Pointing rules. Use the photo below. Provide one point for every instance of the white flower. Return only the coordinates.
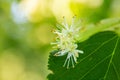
(66, 38)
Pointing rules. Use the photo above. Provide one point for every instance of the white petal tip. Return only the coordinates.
(81, 51)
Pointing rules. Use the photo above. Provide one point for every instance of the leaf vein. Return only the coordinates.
(96, 49)
(111, 59)
(94, 67)
(116, 71)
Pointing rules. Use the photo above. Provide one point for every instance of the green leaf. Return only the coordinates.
(100, 60)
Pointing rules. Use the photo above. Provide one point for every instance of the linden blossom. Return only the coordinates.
(66, 43)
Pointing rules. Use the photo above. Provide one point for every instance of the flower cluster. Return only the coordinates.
(66, 38)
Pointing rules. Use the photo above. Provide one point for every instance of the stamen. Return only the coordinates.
(68, 63)
(73, 21)
(65, 23)
(72, 61)
(74, 58)
(80, 51)
(65, 62)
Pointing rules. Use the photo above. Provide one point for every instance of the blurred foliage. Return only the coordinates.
(25, 31)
